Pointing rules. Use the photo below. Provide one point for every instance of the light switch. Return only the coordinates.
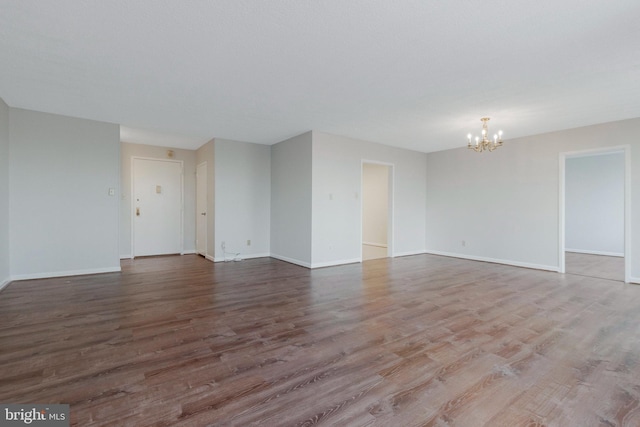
(158, 189)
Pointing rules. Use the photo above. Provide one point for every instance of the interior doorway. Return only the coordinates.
(377, 211)
(157, 207)
(595, 213)
(201, 209)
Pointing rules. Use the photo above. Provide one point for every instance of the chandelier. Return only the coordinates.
(485, 143)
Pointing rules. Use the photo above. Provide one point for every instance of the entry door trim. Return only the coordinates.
(206, 204)
(133, 205)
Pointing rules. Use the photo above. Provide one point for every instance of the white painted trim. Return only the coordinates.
(233, 256)
(562, 177)
(4, 283)
(635, 280)
(258, 255)
(290, 260)
(584, 251)
(127, 256)
(334, 263)
(66, 273)
(241, 257)
(189, 252)
(379, 245)
(626, 149)
(410, 253)
(206, 202)
(496, 261)
(210, 258)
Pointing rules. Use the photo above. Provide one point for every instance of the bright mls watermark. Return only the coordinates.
(34, 415)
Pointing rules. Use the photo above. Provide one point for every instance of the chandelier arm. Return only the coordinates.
(485, 143)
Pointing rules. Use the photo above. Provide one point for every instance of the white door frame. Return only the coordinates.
(206, 203)
(390, 202)
(626, 150)
(133, 205)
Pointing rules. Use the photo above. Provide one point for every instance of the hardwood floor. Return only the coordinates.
(413, 341)
(604, 267)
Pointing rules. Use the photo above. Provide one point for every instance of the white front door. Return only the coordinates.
(201, 209)
(157, 207)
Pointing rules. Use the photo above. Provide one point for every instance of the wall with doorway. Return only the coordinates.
(63, 219)
(337, 181)
(504, 205)
(243, 198)
(594, 204)
(375, 204)
(188, 157)
(206, 153)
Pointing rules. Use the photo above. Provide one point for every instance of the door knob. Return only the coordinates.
(137, 211)
(203, 213)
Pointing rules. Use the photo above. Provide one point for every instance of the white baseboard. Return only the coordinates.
(291, 260)
(189, 252)
(334, 263)
(635, 280)
(497, 261)
(258, 255)
(398, 254)
(210, 258)
(65, 273)
(584, 251)
(379, 245)
(4, 283)
(128, 256)
(240, 256)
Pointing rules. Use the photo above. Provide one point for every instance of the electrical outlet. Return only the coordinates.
(248, 242)
(223, 245)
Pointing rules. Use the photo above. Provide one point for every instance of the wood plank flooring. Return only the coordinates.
(412, 341)
(604, 267)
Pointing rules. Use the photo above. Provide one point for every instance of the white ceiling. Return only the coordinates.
(416, 74)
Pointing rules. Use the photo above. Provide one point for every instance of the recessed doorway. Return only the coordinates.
(377, 197)
(595, 192)
(157, 207)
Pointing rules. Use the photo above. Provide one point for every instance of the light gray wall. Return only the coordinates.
(5, 271)
(337, 183)
(291, 199)
(243, 198)
(594, 207)
(375, 205)
(505, 204)
(188, 157)
(206, 153)
(63, 220)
